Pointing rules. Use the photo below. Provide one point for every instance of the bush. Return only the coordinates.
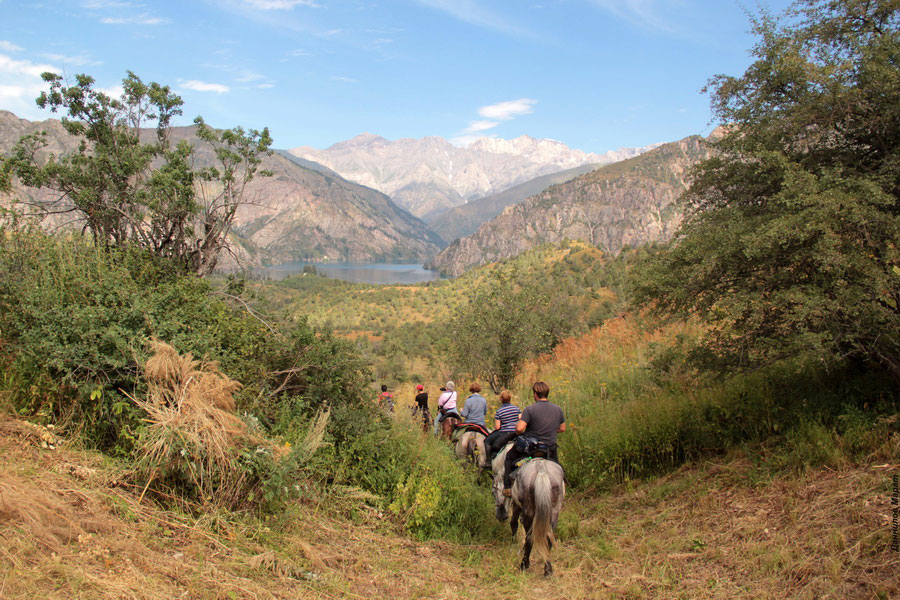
(420, 482)
(75, 320)
(638, 410)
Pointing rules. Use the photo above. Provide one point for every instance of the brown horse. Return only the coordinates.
(537, 496)
(448, 425)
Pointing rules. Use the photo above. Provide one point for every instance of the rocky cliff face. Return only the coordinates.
(464, 220)
(430, 175)
(304, 211)
(627, 203)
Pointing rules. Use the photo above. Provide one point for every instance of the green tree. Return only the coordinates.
(130, 191)
(791, 237)
(507, 320)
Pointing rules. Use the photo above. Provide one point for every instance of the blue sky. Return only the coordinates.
(594, 74)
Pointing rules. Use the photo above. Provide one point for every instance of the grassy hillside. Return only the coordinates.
(407, 323)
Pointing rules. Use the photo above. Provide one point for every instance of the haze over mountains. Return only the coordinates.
(627, 203)
(428, 176)
(308, 211)
(304, 211)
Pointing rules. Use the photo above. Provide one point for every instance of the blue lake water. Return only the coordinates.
(386, 273)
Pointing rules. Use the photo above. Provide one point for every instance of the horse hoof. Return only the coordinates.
(523, 566)
(548, 570)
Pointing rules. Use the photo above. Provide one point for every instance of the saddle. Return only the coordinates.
(473, 427)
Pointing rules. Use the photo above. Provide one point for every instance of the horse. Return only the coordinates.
(537, 496)
(426, 417)
(470, 446)
(503, 504)
(449, 424)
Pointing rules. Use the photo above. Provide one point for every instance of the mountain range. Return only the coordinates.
(630, 202)
(303, 211)
(429, 176)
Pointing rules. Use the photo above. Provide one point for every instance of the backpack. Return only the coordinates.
(527, 444)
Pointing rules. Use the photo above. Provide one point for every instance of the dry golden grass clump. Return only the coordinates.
(194, 442)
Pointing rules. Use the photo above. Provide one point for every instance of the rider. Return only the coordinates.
(421, 397)
(475, 408)
(387, 399)
(446, 405)
(542, 420)
(504, 425)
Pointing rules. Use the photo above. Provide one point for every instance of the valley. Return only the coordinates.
(210, 348)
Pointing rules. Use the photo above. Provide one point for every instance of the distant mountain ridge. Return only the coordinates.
(430, 175)
(304, 211)
(631, 202)
(466, 219)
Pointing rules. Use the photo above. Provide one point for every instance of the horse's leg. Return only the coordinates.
(514, 523)
(526, 550)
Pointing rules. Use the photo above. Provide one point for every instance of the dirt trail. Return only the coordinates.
(69, 528)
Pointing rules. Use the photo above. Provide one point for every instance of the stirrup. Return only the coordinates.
(507, 492)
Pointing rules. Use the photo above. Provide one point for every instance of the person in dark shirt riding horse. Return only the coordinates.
(542, 421)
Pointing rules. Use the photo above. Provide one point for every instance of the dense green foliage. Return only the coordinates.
(127, 191)
(407, 332)
(792, 239)
(74, 320)
(505, 322)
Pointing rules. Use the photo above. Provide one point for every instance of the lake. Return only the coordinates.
(386, 273)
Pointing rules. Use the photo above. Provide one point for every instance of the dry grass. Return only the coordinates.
(710, 531)
(193, 433)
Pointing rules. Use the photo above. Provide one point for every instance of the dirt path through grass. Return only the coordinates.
(723, 529)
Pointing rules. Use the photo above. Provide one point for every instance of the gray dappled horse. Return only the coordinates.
(537, 495)
(470, 446)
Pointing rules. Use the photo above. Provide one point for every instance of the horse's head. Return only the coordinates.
(501, 501)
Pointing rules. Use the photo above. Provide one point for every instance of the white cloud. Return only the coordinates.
(265, 86)
(9, 46)
(79, 61)
(299, 52)
(504, 111)
(246, 76)
(470, 12)
(643, 13)
(476, 126)
(142, 19)
(202, 86)
(105, 4)
(113, 91)
(343, 79)
(20, 84)
(279, 4)
(23, 67)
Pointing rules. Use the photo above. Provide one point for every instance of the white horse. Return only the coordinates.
(537, 494)
(470, 446)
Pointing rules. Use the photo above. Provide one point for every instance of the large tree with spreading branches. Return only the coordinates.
(128, 189)
(791, 240)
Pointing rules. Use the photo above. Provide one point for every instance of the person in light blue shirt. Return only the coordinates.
(475, 408)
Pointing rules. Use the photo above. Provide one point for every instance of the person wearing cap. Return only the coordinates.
(446, 405)
(421, 397)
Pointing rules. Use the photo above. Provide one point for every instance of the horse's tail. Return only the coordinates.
(483, 461)
(541, 528)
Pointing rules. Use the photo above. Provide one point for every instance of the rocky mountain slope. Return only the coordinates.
(465, 219)
(304, 211)
(630, 202)
(430, 175)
